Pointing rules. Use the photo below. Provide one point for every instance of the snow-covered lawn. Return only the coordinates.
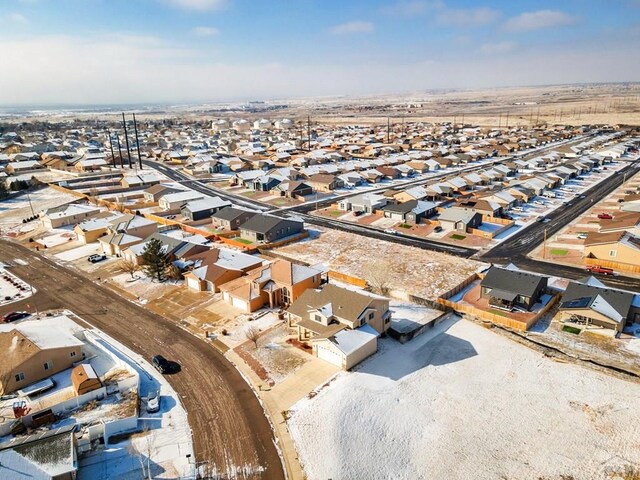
(82, 251)
(423, 273)
(144, 287)
(236, 329)
(461, 402)
(12, 288)
(14, 209)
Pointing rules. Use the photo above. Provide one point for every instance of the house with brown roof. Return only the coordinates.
(277, 284)
(32, 351)
(622, 248)
(322, 182)
(216, 267)
(622, 222)
(341, 324)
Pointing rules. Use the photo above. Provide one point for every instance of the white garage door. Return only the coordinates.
(193, 283)
(241, 304)
(329, 355)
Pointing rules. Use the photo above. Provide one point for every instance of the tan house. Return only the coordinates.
(277, 284)
(216, 267)
(341, 324)
(32, 353)
(68, 215)
(623, 248)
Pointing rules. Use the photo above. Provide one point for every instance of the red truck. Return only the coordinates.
(599, 269)
(605, 216)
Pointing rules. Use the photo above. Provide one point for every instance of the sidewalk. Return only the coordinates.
(283, 396)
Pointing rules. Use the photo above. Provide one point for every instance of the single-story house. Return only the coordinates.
(216, 267)
(201, 209)
(410, 212)
(507, 288)
(459, 219)
(230, 218)
(267, 228)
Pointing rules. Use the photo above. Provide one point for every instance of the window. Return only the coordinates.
(72, 354)
(19, 377)
(286, 296)
(48, 365)
(612, 253)
(371, 316)
(387, 320)
(318, 318)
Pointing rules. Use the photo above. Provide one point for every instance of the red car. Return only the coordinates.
(599, 269)
(605, 216)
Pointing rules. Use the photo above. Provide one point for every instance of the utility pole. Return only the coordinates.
(507, 119)
(500, 121)
(388, 129)
(531, 117)
(135, 127)
(113, 157)
(544, 245)
(309, 133)
(126, 139)
(538, 117)
(119, 150)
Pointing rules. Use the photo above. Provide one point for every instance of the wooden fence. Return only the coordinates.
(625, 267)
(344, 278)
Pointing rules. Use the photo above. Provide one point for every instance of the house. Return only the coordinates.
(267, 228)
(482, 206)
(293, 189)
(365, 202)
(507, 288)
(15, 168)
(172, 202)
(622, 222)
(216, 267)
(176, 244)
(459, 219)
(413, 193)
(324, 182)
(68, 215)
(84, 379)
(620, 247)
(155, 192)
(34, 350)
(88, 231)
(146, 179)
(277, 284)
(589, 303)
(230, 218)
(48, 455)
(411, 212)
(202, 209)
(114, 243)
(90, 164)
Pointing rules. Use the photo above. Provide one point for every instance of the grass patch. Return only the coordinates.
(457, 236)
(243, 240)
(404, 225)
(558, 251)
(498, 312)
(570, 329)
(335, 213)
(279, 201)
(250, 193)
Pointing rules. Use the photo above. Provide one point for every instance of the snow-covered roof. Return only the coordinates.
(350, 341)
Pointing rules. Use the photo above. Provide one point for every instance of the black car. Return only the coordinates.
(13, 316)
(160, 363)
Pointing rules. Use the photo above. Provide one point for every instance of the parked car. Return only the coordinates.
(605, 216)
(13, 316)
(96, 257)
(160, 363)
(517, 209)
(599, 269)
(153, 402)
(539, 202)
(357, 213)
(438, 228)
(582, 236)
(390, 230)
(541, 218)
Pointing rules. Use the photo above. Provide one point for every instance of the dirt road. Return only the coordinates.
(230, 431)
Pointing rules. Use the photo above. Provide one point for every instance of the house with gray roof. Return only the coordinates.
(410, 212)
(267, 228)
(508, 288)
(231, 217)
(589, 304)
(203, 208)
(459, 219)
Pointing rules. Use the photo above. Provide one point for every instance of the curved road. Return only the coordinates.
(230, 431)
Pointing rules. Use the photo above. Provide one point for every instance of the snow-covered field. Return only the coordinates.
(461, 402)
(13, 210)
(78, 252)
(419, 272)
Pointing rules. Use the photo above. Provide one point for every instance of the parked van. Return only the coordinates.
(549, 194)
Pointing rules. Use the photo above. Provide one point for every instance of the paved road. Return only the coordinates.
(515, 249)
(229, 427)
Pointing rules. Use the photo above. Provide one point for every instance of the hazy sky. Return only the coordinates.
(138, 51)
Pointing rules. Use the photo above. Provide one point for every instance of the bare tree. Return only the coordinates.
(143, 448)
(377, 276)
(253, 334)
(129, 267)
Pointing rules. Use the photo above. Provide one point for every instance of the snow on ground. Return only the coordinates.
(13, 288)
(82, 251)
(461, 402)
(58, 236)
(405, 315)
(14, 209)
(354, 255)
(168, 439)
(236, 331)
(142, 286)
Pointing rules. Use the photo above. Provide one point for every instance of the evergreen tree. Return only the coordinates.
(155, 260)
(4, 191)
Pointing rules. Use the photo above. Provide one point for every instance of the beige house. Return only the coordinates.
(341, 324)
(622, 248)
(68, 215)
(31, 353)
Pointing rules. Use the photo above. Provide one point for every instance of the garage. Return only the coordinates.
(328, 353)
(239, 303)
(193, 283)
